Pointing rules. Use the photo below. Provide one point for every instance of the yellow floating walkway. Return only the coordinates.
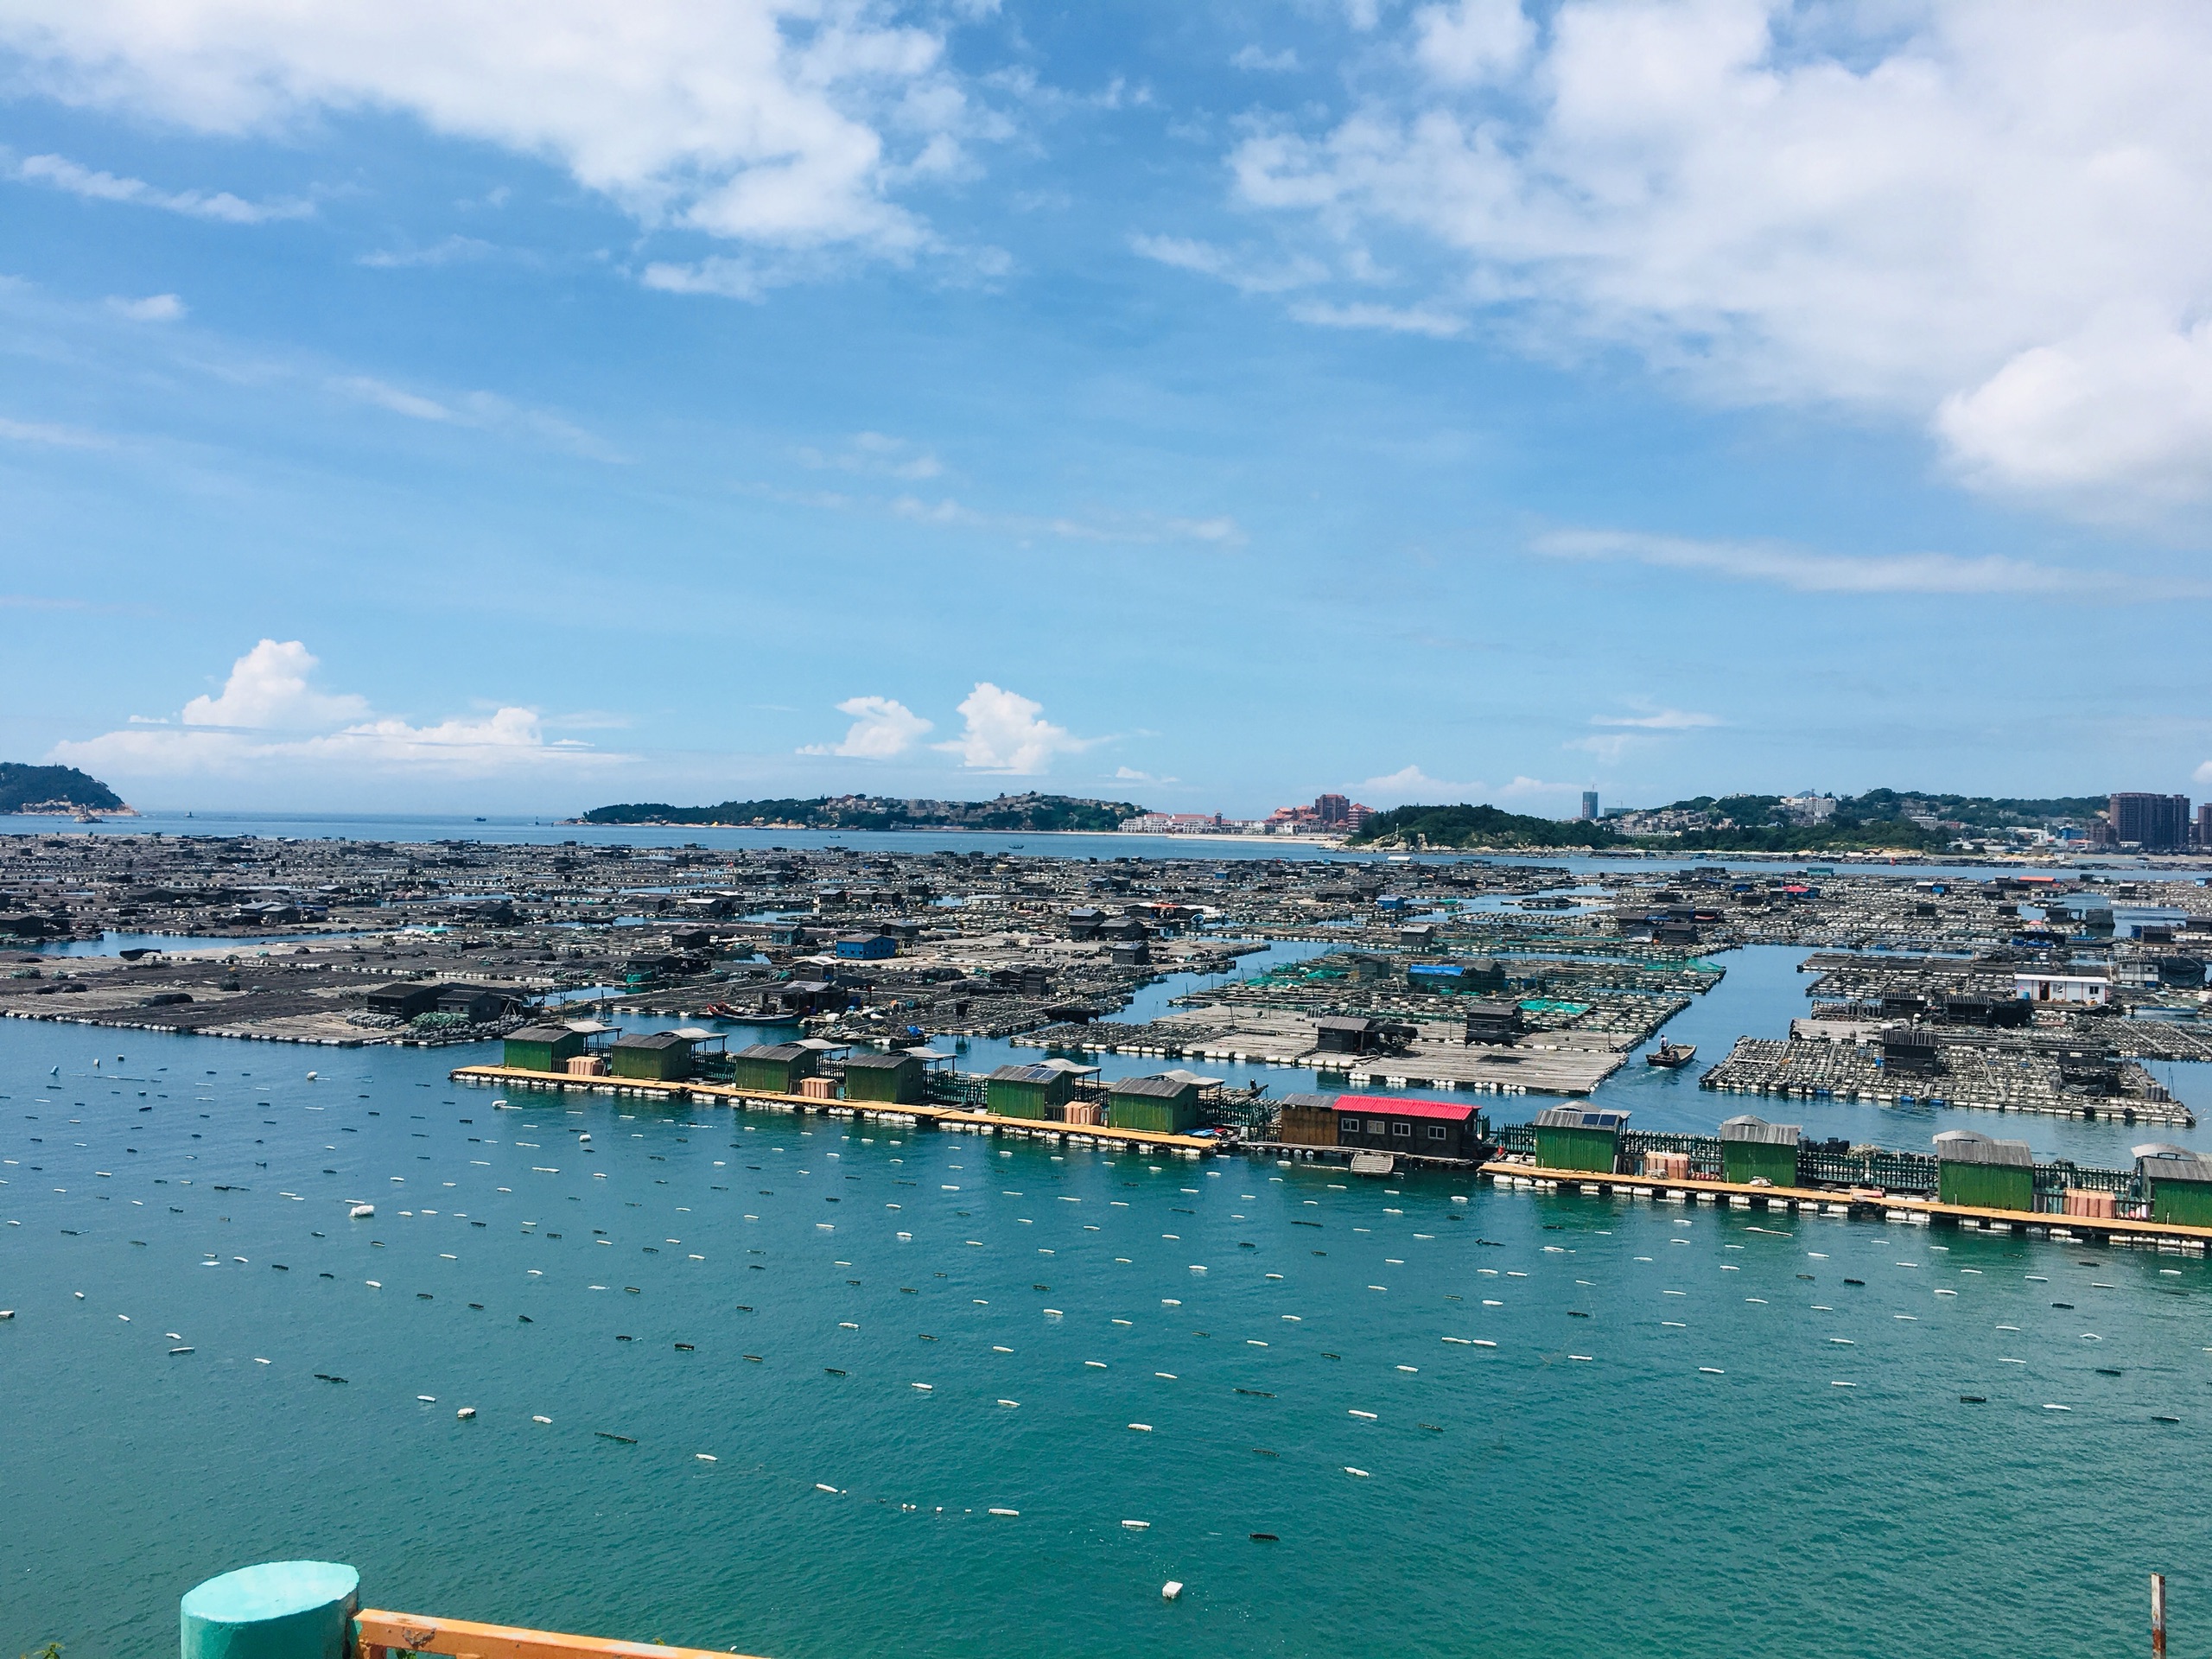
(945, 1117)
(1862, 1203)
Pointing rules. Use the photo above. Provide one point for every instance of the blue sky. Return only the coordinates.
(463, 406)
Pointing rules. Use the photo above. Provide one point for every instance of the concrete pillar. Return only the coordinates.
(279, 1609)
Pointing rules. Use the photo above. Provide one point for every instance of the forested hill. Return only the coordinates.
(1030, 812)
(23, 786)
(1476, 826)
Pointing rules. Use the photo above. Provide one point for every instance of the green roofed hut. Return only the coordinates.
(772, 1068)
(896, 1079)
(2180, 1183)
(1972, 1169)
(543, 1048)
(1039, 1091)
(650, 1056)
(1755, 1152)
(1164, 1105)
(1578, 1137)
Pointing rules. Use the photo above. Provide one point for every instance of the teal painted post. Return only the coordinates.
(279, 1609)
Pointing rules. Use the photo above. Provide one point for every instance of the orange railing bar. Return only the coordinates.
(380, 1634)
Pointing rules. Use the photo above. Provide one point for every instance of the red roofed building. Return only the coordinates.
(1426, 1129)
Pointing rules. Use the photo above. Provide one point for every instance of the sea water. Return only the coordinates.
(1693, 1433)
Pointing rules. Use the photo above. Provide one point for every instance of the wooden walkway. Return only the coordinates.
(381, 1634)
(1805, 1199)
(690, 1092)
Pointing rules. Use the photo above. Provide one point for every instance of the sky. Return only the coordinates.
(465, 406)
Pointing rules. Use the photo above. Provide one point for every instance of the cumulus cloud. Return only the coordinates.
(60, 173)
(784, 122)
(882, 729)
(1992, 217)
(268, 688)
(1007, 732)
(270, 719)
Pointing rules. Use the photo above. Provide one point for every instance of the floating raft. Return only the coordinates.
(939, 1117)
(1816, 1201)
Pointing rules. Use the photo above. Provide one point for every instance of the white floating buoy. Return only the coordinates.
(536, 1419)
(362, 1211)
(466, 1413)
(428, 1399)
(311, 1075)
(1141, 1428)
(706, 1457)
(1014, 1512)
(1172, 1589)
(6, 1312)
(1361, 1473)
(1137, 1526)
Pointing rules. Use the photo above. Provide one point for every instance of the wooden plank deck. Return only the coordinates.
(2079, 1226)
(934, 1116)
(381, 1634)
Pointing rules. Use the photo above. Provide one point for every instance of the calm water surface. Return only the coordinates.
(1678, 1472)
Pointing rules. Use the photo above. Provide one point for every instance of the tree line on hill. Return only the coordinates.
(1034, 813)
(23, 787)
(1879, 819)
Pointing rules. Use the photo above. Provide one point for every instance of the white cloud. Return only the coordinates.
(1525, 788)
(452, 251)
(784, 122)
(1007, 732)
(1143, 530)
(1471, 42)
(1247, 273)
(381, 394)
(63, 174)
(1259, 59)
(2127, 403)
(1411, 783)
(1658, 720)
(270, 720)
(51, 433)
(1829, 573)
(882, 729)
(873, 454)
(1131, 775)
(1393, 319)
(482, 411)
(155, 308)
(718, 276)
(2204, 773)
(1993, 217)
(268, 688)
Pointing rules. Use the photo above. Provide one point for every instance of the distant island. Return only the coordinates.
(53, 789)
(1880, 820)
(1035, 814)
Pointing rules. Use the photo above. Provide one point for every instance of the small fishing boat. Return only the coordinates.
(1671, 1056)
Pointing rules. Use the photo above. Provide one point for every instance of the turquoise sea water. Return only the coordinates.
(1515, 1500)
